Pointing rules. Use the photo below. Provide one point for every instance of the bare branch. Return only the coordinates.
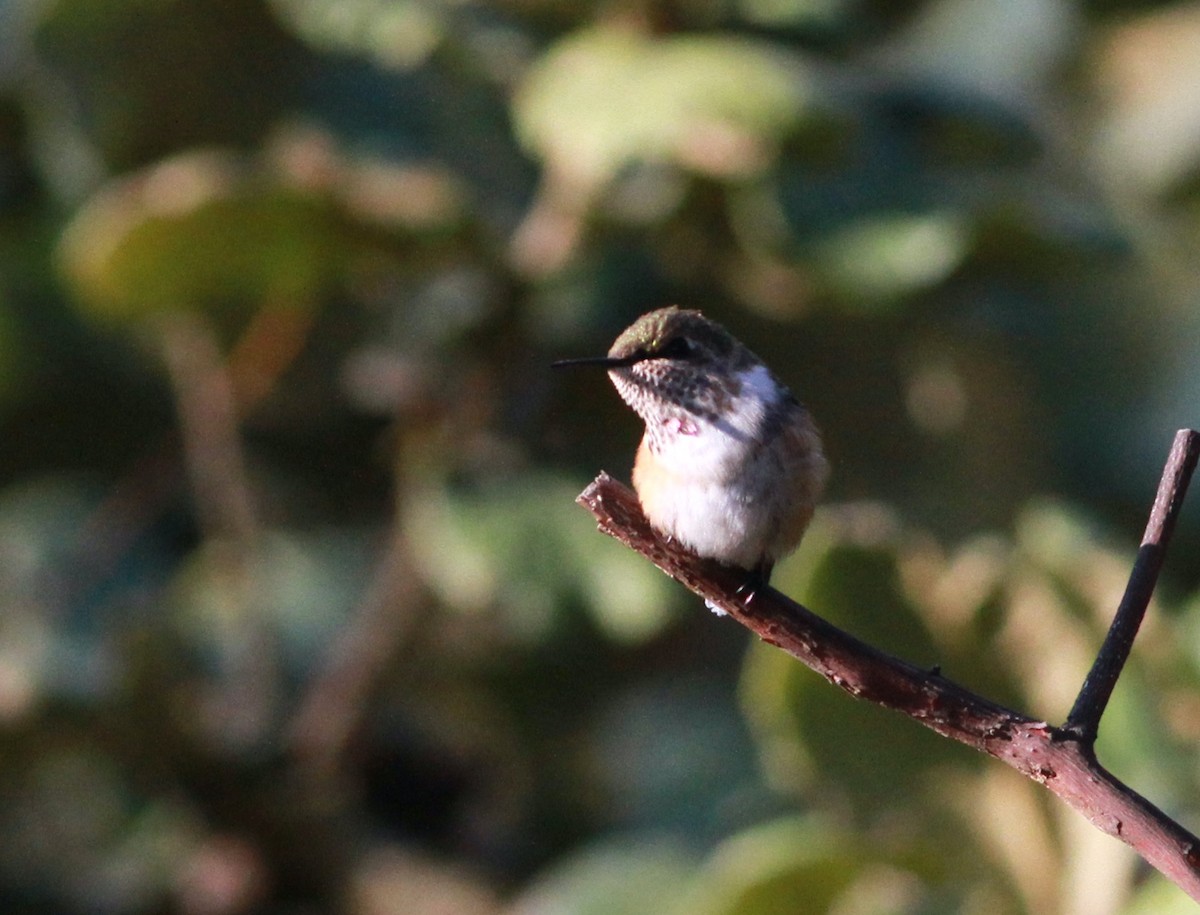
(1051, 756)
(1084, 720)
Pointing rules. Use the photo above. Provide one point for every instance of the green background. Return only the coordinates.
(297, 614)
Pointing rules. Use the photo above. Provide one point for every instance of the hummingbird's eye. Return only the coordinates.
(676, 348)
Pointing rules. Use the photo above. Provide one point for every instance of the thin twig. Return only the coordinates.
(244, 700)
(266, 349)
(1048, 755)
(336, 702)
(209, 427)
(1084, 720)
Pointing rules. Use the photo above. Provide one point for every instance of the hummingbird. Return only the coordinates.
(731, 464)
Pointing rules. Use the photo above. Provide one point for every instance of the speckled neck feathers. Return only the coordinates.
(705, 384)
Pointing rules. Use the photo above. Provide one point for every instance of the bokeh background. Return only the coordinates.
(297, 614)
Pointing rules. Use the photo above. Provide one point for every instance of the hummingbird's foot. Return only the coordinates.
(757, 579)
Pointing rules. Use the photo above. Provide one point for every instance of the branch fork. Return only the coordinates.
(1061, 758)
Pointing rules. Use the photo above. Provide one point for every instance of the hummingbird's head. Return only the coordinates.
(674, 335)
(673, 359)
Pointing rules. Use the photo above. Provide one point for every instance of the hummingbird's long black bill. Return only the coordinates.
(607, 362)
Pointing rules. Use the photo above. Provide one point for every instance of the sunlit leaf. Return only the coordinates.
(788, 867)
(1157, 896)
(890, 255)
(199, 232)
(602, 99)
(1150, 81)
(630, 877)
(524, 549)
(396, 33)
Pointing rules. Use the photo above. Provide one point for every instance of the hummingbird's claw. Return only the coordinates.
(756, 579)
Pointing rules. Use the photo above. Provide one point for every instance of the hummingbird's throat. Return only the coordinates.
(679, 425)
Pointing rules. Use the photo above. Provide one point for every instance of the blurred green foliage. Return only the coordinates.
(298, 613)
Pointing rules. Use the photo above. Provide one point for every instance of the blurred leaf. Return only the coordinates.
(1158, 896)
(396, 33)
(885, 256)
(305, 584)
(603, 99)
(1147, 72)
(811, 734)
(395, 881)
(857, 585)
(525, 548)
(620, 877)
(216, 232)
(815, 740)
(53, 646)
(674, 755)
(954, 42)
(136, 80)
(794, 13)
(198, 232)
(788, 867)
(1135, 742)
(71, 831)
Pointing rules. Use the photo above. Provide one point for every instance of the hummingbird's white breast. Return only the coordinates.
(729, 486)
(717, 447)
